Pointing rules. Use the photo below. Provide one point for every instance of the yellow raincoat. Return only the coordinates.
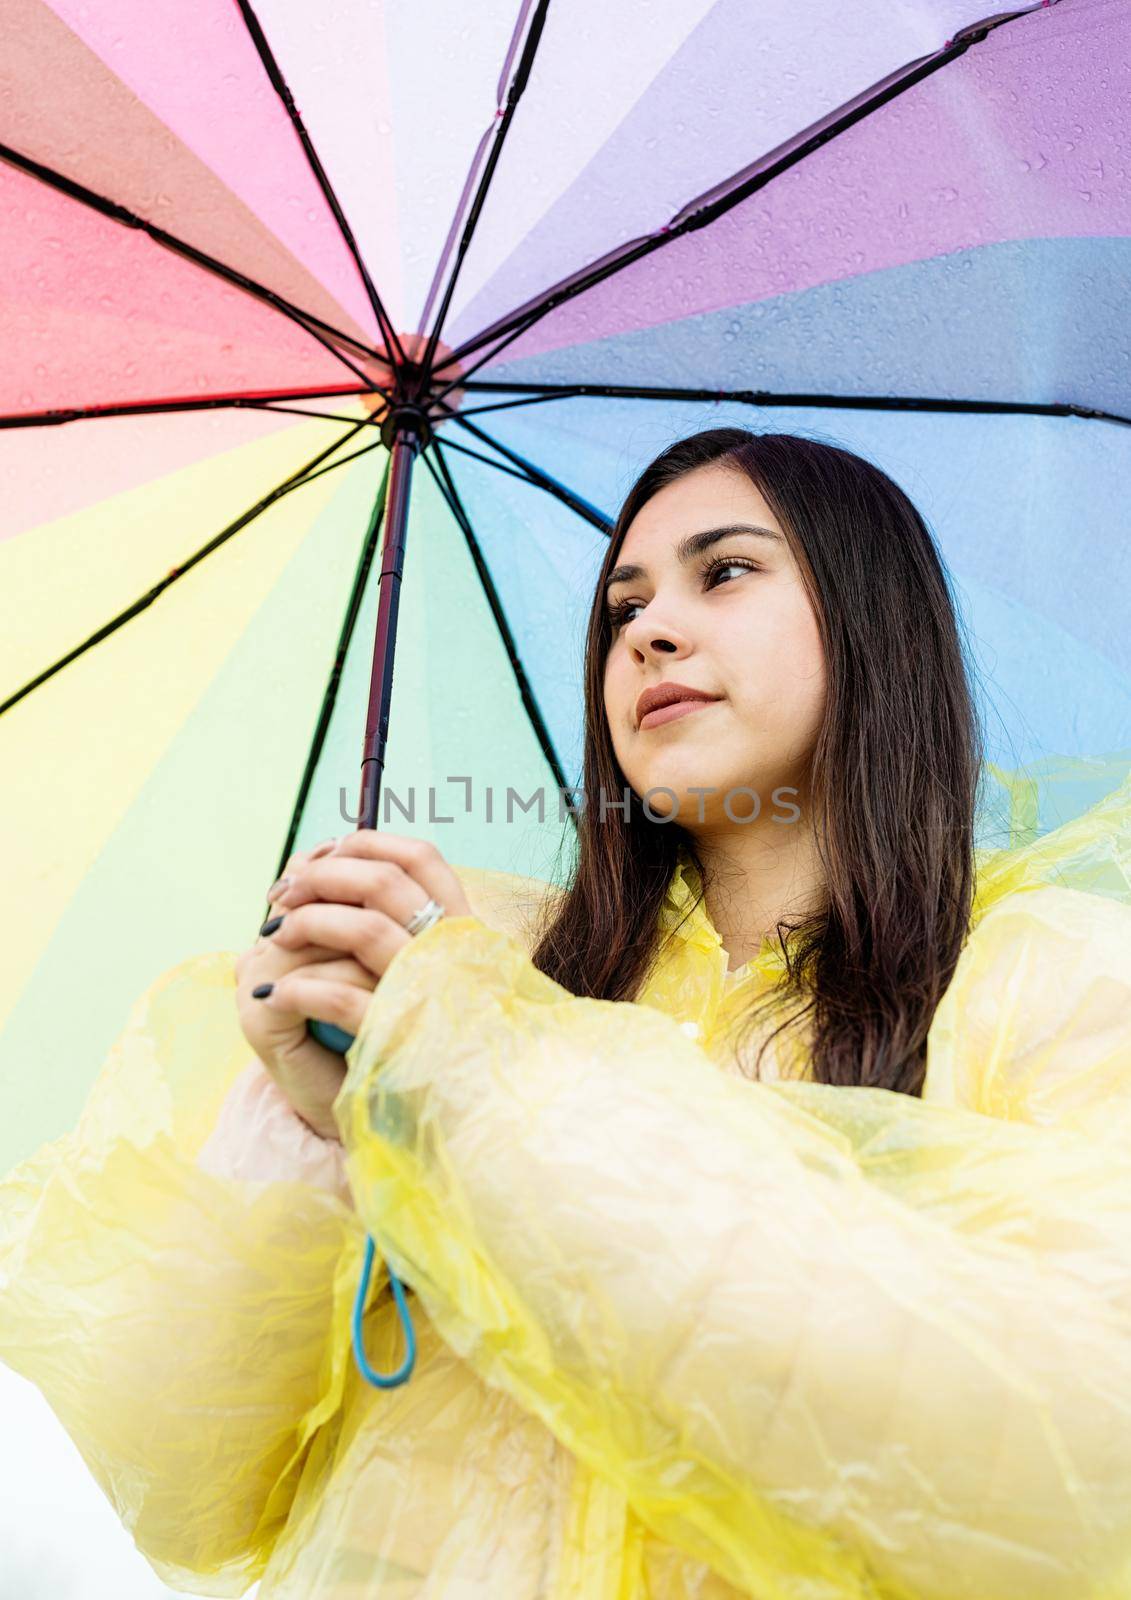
(681, 1335)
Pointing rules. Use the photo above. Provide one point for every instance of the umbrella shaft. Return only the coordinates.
(403, 450)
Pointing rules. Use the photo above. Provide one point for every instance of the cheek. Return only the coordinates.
(808, 659)
(615, 702)
(783, 662)
(610, 695)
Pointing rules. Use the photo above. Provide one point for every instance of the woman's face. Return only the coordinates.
(732, 620)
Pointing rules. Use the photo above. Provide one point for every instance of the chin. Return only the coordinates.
(686, 805)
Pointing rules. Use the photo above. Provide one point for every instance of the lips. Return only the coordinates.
(668, 694)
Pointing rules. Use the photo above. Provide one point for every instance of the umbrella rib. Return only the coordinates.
(714, 203)
(297, 480)
(281, 88)
(529, 698)
(565, 393)
(333, 682)
(300, 411)
(344, 462)
(496, 136)
(135, 408)
(535, 393)
(540, 479)
(315, 326)
(523, 477)
(488, 461)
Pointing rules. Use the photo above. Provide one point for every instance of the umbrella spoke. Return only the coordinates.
(135, 408)
(279, 84)
(723, 197)
(535, 393)
(496, 136)
(446, 485)
(513, 472)
(301, 411)
(540, 479)
(298, 480)
(329, 337)
(489, 461)
(566, 392)
(334, 465)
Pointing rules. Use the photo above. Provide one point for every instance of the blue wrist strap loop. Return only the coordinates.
(337, 1039)
(404, 1370)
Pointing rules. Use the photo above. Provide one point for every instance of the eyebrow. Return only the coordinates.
(694, 545)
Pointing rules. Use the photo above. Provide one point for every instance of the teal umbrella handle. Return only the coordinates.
(338, 1040)
(334, 1038)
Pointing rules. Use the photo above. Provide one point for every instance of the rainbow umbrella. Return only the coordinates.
(329, 330)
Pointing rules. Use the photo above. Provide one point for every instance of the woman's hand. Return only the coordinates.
(344, 910)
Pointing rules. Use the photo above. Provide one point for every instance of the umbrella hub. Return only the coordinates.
(411, 387)
(406, 417)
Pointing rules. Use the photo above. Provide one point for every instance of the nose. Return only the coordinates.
(651, 637)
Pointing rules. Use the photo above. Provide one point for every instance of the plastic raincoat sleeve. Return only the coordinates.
(832, 1341)
(185, 1325)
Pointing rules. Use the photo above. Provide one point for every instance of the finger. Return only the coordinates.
(319, 999)
(370, 937)
(342, 969)
(266, 959)
(354, 880)
(294, 863)
(265, 944)
(416, 857)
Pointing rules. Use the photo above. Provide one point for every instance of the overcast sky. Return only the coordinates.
(59, 1536)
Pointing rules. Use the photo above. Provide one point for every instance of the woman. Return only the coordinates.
(765, 1193)
(837, 689)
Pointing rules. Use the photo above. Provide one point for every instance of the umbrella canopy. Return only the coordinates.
(907, 231)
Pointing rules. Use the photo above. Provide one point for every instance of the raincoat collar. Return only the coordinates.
(684, 913)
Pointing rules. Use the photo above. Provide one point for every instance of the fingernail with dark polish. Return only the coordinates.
(270, 925)
(261, 991)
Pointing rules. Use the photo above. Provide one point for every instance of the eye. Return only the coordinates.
(618, 614)
(720, 562)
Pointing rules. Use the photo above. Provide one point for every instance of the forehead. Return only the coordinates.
(707, 497)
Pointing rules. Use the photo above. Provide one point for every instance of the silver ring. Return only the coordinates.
(425, 917)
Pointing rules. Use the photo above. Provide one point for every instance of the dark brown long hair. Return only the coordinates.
(893, 788)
